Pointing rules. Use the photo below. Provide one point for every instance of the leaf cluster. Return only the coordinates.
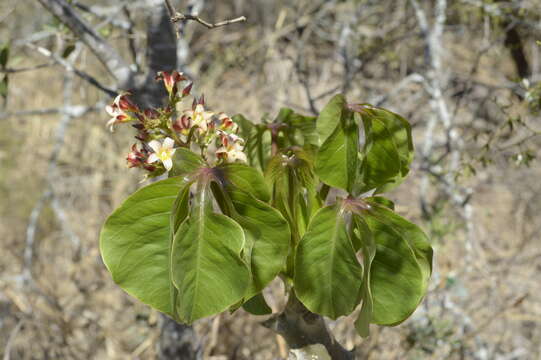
(305, 207)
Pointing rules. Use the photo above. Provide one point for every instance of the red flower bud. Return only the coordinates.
(151, 114)
(186, 91)
(125, 104)
(170, 80)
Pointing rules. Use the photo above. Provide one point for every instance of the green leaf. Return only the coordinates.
(368, 247)
(337, 159)
(267, 238)
(208, 269)
(330, 116)
(247, 131)
(306, 127)
(283, 115)
(179, 212)
(257, 305)
(328, 275)
(185, 162)
(134, 243)
(401, 268)
(388, 150)
(247, 178)
(380, 200)
(68, 50)
(381, 163)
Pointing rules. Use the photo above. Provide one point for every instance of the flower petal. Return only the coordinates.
(153, 158)
(168, 163)
(168, 143)
(155, 145)
(110, 110)
(110, 124)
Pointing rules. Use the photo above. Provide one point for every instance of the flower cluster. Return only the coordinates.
(162, 130)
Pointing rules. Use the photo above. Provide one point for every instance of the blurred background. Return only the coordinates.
(466, 73)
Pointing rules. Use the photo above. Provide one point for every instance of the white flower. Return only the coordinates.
(227, 124)
(117, 115)
(232, 149)
(200, 117)
(118, 109)
(163, 152)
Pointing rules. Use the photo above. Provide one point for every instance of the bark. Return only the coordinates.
(161, 53)
(178, 341)
(302, 329)
(513, 42)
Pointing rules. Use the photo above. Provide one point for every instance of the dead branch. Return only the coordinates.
(107, 55)
(24, 69)
(11, 339)
(178, 16)
(69, 67)
(74, 110)
(49, 192)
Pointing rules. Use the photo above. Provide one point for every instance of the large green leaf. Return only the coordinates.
(247, 178)
(185, 162)
(337, 159)
(328, 275)
(301, 130)
(306, 126)
(415, 237)
(388, 149)
(330, 116)
(401, 268)
(134, 243)
(267, 238)
(381, 162)
(208, 269)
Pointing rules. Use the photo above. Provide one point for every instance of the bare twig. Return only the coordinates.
(131, 38)
(412, 78)
(30, 68)
(74, 110)
(83, 75)
(49, 194)
(28, 255)
(108, 55)
(178, 16)
(182, 17)
(11, 339)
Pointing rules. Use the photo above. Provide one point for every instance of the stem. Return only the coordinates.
(299, 327)
(274, 142)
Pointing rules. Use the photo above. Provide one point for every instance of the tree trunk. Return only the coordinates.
(306, 333)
